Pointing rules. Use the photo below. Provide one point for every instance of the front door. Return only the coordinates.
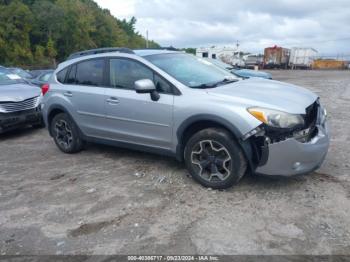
(133, 117)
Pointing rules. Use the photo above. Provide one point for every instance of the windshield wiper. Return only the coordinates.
(226, 81)
(215, 84)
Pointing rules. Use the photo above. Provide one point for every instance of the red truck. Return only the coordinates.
(276, 57)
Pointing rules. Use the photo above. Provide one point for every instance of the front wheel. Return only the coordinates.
(214, 159)
(66, 134)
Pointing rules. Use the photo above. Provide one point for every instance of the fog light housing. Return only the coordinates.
(296, 165)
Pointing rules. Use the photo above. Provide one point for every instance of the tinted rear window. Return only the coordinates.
(61, 76)
(71, 75)
(90, 73)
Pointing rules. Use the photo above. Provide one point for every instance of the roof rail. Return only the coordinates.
(170, 48)
(100, 51)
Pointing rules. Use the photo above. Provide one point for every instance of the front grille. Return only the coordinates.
(311, 115)
(10, 107)
(302, 133)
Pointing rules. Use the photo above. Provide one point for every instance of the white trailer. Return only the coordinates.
(301, 57)
(229, 55)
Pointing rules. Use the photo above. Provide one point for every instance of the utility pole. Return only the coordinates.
(147, 39)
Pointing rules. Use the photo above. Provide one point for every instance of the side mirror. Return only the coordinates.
(144, 86)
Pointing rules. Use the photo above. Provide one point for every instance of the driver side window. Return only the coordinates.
(124, 73)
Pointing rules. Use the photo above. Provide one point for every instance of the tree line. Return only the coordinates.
(40, 33)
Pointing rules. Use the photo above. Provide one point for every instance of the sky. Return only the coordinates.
(255, 24)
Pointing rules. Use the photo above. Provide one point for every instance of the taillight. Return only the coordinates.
(45, 88)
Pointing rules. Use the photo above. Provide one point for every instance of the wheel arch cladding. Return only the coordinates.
(55, 110)
(199, 122)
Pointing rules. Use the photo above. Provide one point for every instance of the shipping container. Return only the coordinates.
(302, 57)
(276, 57)
(328, 64)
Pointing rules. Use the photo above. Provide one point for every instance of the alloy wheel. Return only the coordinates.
(64, 136)
(211, 160)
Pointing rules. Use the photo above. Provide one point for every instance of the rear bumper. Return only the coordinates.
(10, 121)
(291, 157)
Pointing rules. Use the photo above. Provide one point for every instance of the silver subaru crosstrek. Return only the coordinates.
(177, 104)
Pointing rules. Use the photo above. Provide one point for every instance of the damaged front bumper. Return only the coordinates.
(295, 156)
(10, 121)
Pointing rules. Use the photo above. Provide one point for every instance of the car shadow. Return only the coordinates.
(148, 159)
(132, 154)
(18, 133)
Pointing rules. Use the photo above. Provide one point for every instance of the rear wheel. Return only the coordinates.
(66, 134)
(214, 159)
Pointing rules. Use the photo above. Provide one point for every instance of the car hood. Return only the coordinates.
(251, 73)
(18, 92)
(266, 93)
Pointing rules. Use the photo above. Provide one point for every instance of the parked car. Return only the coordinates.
(19, 102)
(37, 72)
(244, 73)
(248, 73)
(180, 105)
(4, 70)
(22, 73)
(42, 78)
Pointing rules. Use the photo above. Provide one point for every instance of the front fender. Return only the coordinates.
(207, 117)
(245, 145)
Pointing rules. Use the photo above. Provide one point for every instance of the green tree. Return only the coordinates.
(189, 50)
(51, 51)
(15, 26)
(39, 33)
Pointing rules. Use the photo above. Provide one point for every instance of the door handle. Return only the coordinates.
(112, 100)
(68, 94)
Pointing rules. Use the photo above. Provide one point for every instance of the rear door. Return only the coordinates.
(133, 117)
(85, 87)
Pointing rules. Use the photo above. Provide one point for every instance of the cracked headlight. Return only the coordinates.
(275, 118)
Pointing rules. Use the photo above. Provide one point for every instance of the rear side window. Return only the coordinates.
(61, 76)
(71, 75)
(90, 73)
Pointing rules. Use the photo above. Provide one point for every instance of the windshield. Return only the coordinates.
(191, 71)
(21, 73)
(7, 78)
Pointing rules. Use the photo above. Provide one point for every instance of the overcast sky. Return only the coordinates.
(254, 23)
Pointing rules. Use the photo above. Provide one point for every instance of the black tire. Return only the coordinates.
(225, 154)
(70, 144)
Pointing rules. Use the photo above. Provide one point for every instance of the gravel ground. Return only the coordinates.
(107, 200)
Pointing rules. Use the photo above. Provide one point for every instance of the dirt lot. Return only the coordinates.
(107, 200)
